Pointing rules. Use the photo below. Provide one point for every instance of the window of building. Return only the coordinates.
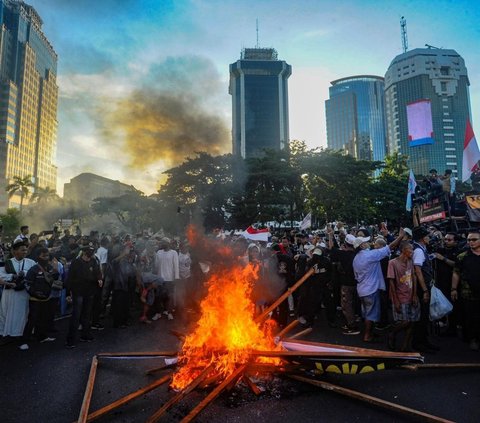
(445, 70)
(443, 86)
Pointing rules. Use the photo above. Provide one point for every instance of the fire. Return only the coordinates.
(226, 331)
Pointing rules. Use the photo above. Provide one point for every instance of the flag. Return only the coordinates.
(471, 154)
(412, 184)
(306, 222)
(256, 234)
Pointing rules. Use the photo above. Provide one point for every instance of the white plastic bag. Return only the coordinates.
(439, 304)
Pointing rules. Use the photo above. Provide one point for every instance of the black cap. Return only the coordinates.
(88, 246)
(419, 233)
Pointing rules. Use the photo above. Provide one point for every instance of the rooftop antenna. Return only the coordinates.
(403, 26)
(257, 46)
(429, 46)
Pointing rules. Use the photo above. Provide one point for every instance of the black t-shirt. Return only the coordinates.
(468, 266)
(83, 276)
(345, 268)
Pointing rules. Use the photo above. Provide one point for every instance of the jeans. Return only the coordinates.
(81, 313)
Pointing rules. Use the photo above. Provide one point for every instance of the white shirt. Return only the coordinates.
(18, 265)
(102, 255)
(419, 256)
(166, 265)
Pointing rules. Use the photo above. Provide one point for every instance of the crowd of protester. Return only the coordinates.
(366, 280)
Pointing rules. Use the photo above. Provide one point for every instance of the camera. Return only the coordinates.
(19, 281)
(435, 243)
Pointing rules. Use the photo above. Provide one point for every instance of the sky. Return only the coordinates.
(143, 84)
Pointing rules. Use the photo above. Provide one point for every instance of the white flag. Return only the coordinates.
(306, 222)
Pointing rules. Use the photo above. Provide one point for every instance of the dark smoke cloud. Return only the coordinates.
(173, 114)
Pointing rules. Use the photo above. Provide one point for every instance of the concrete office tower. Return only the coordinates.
(28, 100)
(355, 115)
(84, 188)
(438, 76)
(259, 89)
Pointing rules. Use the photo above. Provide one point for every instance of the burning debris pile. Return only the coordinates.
(231, 342)
(227, 331)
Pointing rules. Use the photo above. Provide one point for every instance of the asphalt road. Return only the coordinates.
(46, 384)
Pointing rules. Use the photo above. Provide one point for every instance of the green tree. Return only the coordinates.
(200, 188)
(338, 186)
(272, 189)
(11, 222)
(390, 190)
(20, 186)
(133, 210)
(44, 195)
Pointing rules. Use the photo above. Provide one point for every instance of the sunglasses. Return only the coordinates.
(472, 239)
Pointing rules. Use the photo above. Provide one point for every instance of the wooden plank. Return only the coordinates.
(350, 348)
(301, 333)
(82, 417)
(214, 394)
(284, 296)
(254, 388)
(442, 366)
(371, 400)
(287, 328)
(133, 355)
(127, 398)
(177, 398)
(329, 354)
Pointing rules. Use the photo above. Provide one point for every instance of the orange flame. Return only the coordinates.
(226, 331)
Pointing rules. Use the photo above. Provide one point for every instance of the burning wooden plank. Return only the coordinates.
(177, 398)
(214, 394)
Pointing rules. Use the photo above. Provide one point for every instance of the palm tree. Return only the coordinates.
(20, 185)
(44, 195)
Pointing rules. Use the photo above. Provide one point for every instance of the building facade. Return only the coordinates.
(84, 188)
(259, 89)
(439, 77)
(355, 116)
(28, 100)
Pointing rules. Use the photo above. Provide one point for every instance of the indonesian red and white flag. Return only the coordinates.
(471, 153)
(256, 234)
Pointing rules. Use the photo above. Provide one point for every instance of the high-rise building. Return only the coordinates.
(84, 188)
(259, 89)
(355, 114)
(28, 100)
(438, 79)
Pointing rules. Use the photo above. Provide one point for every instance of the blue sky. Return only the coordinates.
(144, 83)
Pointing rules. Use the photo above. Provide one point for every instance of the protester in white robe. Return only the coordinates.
(14, 304)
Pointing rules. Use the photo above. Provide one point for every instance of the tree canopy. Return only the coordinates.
(225, 191)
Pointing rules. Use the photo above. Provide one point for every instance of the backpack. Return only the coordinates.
(40, 287)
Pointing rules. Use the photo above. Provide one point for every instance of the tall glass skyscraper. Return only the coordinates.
(355, 115)
(259, 89)
(438, 77)
(28, 100)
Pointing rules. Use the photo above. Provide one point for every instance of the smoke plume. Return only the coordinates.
(174, 113)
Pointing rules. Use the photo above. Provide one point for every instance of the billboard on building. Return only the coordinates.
(420, 127)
